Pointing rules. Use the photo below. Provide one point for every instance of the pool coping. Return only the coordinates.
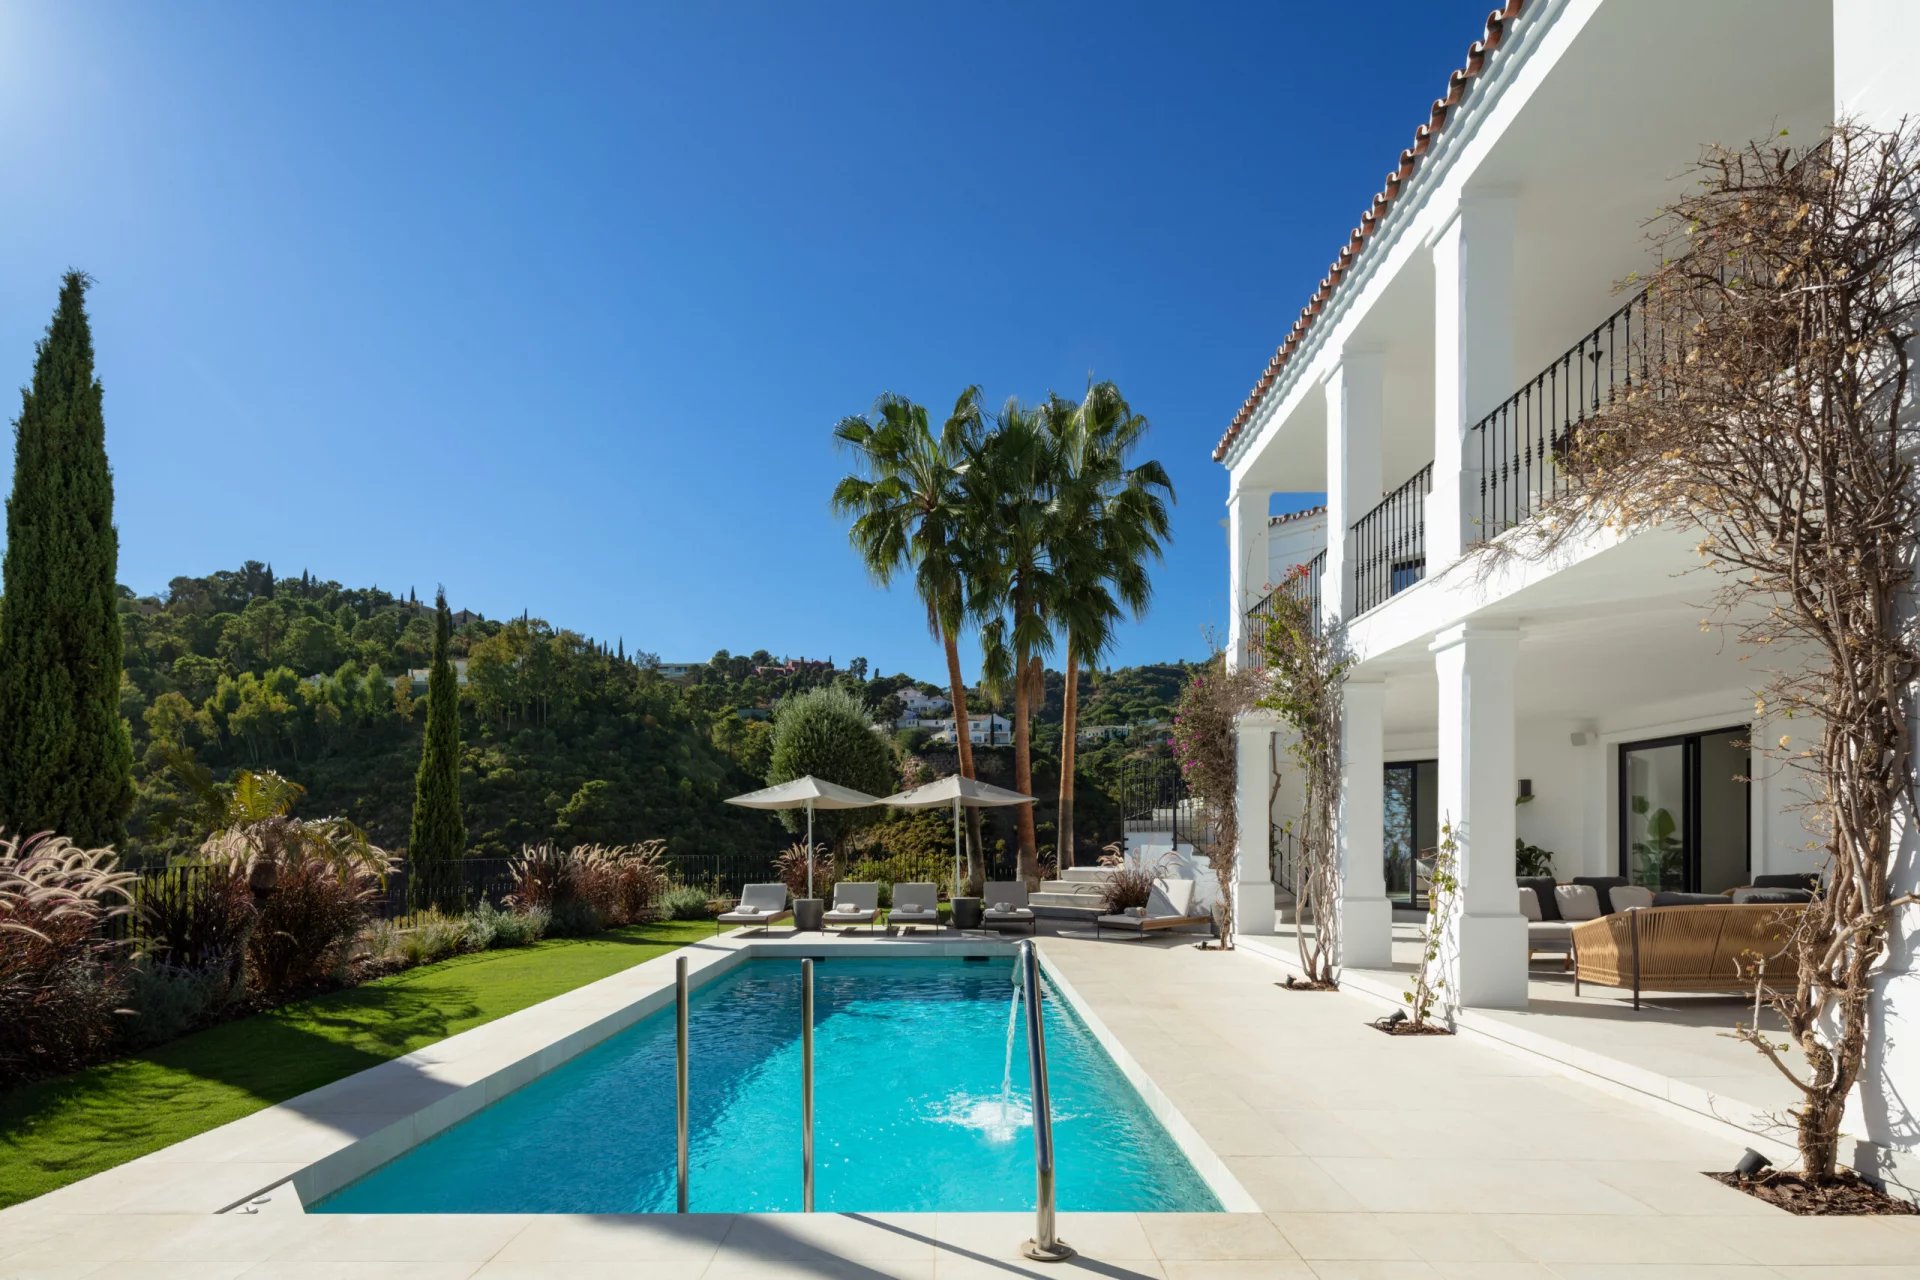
(283, 1157)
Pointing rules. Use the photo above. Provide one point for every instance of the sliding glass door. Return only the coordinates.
(1683, 811)
(1412, 829)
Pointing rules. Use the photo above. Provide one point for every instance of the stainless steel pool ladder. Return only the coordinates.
(1045, 1245)
(680, 1077)
(806, 1086)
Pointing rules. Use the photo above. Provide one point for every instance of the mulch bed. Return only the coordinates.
(1301, 984)
(1409, 1028)
(1849, 1194)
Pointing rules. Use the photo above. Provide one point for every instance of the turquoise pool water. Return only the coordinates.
(918, 1107)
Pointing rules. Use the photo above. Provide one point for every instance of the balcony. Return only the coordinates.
(1521, 446)
(1303, 584)
(1389, 545)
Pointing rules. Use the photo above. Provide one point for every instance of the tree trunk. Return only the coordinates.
(1069, 752)
(1028, 866)
(963, 747)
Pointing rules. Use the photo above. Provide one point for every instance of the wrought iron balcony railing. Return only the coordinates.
(1522, 445)
(1390, 543)
(1302, 585)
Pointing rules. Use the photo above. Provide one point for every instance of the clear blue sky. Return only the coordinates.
(557, 304)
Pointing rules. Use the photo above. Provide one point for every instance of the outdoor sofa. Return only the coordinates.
(1551, 918)
(1006, 904)
(1169, 906)
(760, 904)
(916, 902)
(856, 902)
(1706, 947)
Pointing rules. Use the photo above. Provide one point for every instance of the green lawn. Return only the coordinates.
(58, 1131)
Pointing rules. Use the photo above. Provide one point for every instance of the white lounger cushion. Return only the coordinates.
(854, 901)
(917, 899)
(759, 900)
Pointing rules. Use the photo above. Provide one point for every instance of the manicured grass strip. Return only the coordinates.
(58, 1131)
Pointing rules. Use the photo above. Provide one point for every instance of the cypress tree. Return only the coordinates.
(66, 762)
(439, 838)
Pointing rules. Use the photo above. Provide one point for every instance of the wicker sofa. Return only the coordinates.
(1687, 948)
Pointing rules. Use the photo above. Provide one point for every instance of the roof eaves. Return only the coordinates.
(1498, 23)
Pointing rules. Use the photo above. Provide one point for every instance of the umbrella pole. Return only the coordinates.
(956, 847)
(809, 846)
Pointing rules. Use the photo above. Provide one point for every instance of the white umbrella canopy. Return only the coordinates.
(959, 792)
(807, 793)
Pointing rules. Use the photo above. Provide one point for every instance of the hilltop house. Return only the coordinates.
(1469, 322)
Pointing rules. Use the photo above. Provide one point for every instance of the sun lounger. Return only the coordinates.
(1169, 906)
(915, 903)
(760, 904)
(1006, 904)
(854, 904)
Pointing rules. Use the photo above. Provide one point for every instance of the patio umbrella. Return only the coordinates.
(958, 792)
(807, 793)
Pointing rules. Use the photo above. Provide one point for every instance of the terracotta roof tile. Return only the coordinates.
(1498, 23)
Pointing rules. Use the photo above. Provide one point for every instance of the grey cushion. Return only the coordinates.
(1602, 885)
(1577, 902)
(1546, 931)
(1772, 895)
(1530, 904)
(1807, 880)
(1674, 898)
(1628, 896)
(1542, 887)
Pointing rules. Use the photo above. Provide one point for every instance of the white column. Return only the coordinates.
(1252, 888)
(1366, 917)
(1247, 533)
(1873, 81)
(1485, 950)
(1473, 326)
(1356, 407)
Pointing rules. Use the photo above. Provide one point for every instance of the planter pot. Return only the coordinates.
(808, 914)
(966, 913)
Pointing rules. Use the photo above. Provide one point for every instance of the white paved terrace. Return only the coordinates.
(1365, 1156)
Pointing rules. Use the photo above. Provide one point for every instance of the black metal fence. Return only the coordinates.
(1521, 445)
(1390, 543)
(490, 880)
(1157, 807)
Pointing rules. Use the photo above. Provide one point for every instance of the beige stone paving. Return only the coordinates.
(1366, 1157)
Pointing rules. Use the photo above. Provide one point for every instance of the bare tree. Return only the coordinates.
(1771, 413)
(1305, 666)
(1204, 744)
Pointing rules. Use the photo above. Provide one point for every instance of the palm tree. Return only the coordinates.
(1009, 477)
(1110, 519)
(908, 504)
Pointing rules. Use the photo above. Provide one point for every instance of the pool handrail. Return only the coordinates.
(1045, 1245)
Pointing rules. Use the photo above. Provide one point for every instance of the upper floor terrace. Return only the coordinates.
(1479, 314)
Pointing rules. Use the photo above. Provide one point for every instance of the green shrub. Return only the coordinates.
(432, 936)
(825, 732)
(167, 1001)
(521, 928)
(684, 902)
(382, 942)
(479, 928)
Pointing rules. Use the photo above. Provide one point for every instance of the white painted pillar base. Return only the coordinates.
(1366, 917)
(1484, 951)
(1253, 908)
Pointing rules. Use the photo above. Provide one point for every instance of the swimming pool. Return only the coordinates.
(918, 1105)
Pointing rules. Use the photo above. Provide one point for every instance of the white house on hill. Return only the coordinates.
(1469, 321)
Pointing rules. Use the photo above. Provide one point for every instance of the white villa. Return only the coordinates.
(982, 731)
(1469, 319)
